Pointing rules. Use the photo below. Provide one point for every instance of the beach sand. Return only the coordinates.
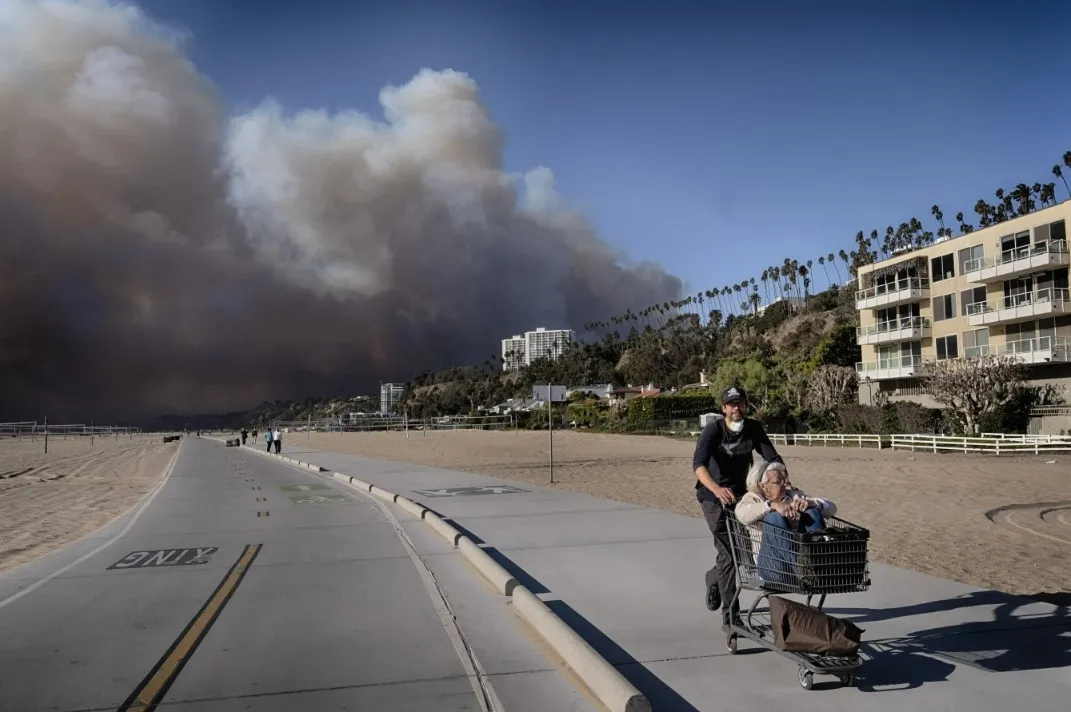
(47, 501)
(926, 512)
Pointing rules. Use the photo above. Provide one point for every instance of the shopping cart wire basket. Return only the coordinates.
(770, 560)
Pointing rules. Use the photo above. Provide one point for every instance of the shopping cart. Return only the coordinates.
(831, 561)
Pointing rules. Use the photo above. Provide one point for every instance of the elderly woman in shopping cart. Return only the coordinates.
(772, 507)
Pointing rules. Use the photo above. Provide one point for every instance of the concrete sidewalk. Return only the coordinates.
(630, 580)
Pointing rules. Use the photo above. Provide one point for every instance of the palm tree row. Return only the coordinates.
(784, 281)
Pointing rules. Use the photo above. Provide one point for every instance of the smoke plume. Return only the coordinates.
(158, 255)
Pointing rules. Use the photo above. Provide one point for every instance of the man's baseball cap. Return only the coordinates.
(733, 393)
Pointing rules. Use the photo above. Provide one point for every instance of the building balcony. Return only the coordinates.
(1020, 307)
(910, 328)
(895, 367)
(1017, 262)
(902, 291)
(1042, 349)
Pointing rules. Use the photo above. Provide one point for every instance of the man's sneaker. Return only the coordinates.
(713, 597)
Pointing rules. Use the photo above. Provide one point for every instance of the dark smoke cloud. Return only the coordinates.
(158, 256)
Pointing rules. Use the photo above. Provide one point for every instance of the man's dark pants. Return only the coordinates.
(724, 572)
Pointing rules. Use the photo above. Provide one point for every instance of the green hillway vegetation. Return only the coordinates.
(796, 357)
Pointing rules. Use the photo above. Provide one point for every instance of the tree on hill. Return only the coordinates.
(975, 387)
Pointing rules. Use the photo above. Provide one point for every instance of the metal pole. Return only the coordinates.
(46, 434)
(405, 420)
(92, 432)
(308, 428)
(550, 429)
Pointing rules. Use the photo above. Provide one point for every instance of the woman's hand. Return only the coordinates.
(800, 504)
(786, 510)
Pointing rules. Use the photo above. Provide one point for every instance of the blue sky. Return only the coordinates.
(712, 139)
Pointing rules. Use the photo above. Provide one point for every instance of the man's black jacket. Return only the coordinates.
(728, 455)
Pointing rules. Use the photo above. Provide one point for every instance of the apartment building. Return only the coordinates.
(550, 343)
(390, 395)
(518, 350)
(999, 290)
(514, 352)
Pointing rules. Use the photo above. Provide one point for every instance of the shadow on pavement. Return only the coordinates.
(1006, 643)
(464, 532)
(661, 696)
(522, 576)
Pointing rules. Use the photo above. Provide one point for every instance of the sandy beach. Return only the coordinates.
(931, 513)
(47, 501)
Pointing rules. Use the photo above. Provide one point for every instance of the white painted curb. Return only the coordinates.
(382, 493)
(503, 581)
(445, 530)
(410, 506)
(353, 481)
(602, 678)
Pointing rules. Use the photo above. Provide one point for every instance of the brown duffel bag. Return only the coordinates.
(801, 629)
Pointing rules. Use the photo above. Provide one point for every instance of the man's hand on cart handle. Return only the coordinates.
(724, 494)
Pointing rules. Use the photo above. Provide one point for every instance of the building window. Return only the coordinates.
(943, 267)
(944, 307)
(970, 296)
(946, 347)
(1014, 247)
(970, 259)
(976, 343)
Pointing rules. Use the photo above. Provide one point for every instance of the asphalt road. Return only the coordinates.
(246, 584)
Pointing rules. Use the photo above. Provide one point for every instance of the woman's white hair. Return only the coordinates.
(770, 471)
(757, 475)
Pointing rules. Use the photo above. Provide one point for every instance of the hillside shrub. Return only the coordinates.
(660, 408)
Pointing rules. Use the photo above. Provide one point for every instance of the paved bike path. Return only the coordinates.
(630, 579)
(304, 592)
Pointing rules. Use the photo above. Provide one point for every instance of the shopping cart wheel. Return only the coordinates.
(806, 678)
(847, 679)
(730, 643)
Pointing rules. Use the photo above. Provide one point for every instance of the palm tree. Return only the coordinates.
(832, 259)
(822, 261)
(765, 286)
(1059, 173)
(940, 217)
(847, 262)
(1048, 194)
(755, 300)
(806, 282)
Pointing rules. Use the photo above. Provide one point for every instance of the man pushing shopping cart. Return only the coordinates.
(723, 456)
(778, 541)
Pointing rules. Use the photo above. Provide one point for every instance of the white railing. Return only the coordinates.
(34, 429)
(990, 445)
(892, 287)
(1055, 247)
(1058, 297)
(399, 423)
(828, 440)
(1020, 438)
(885, 327)
(912, 361)
(1058, 346)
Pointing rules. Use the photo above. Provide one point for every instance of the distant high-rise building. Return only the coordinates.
(390, 394)
(547, 343)
(518, 350)
(514, 353)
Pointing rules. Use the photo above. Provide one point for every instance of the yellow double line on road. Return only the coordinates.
(152, 689)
